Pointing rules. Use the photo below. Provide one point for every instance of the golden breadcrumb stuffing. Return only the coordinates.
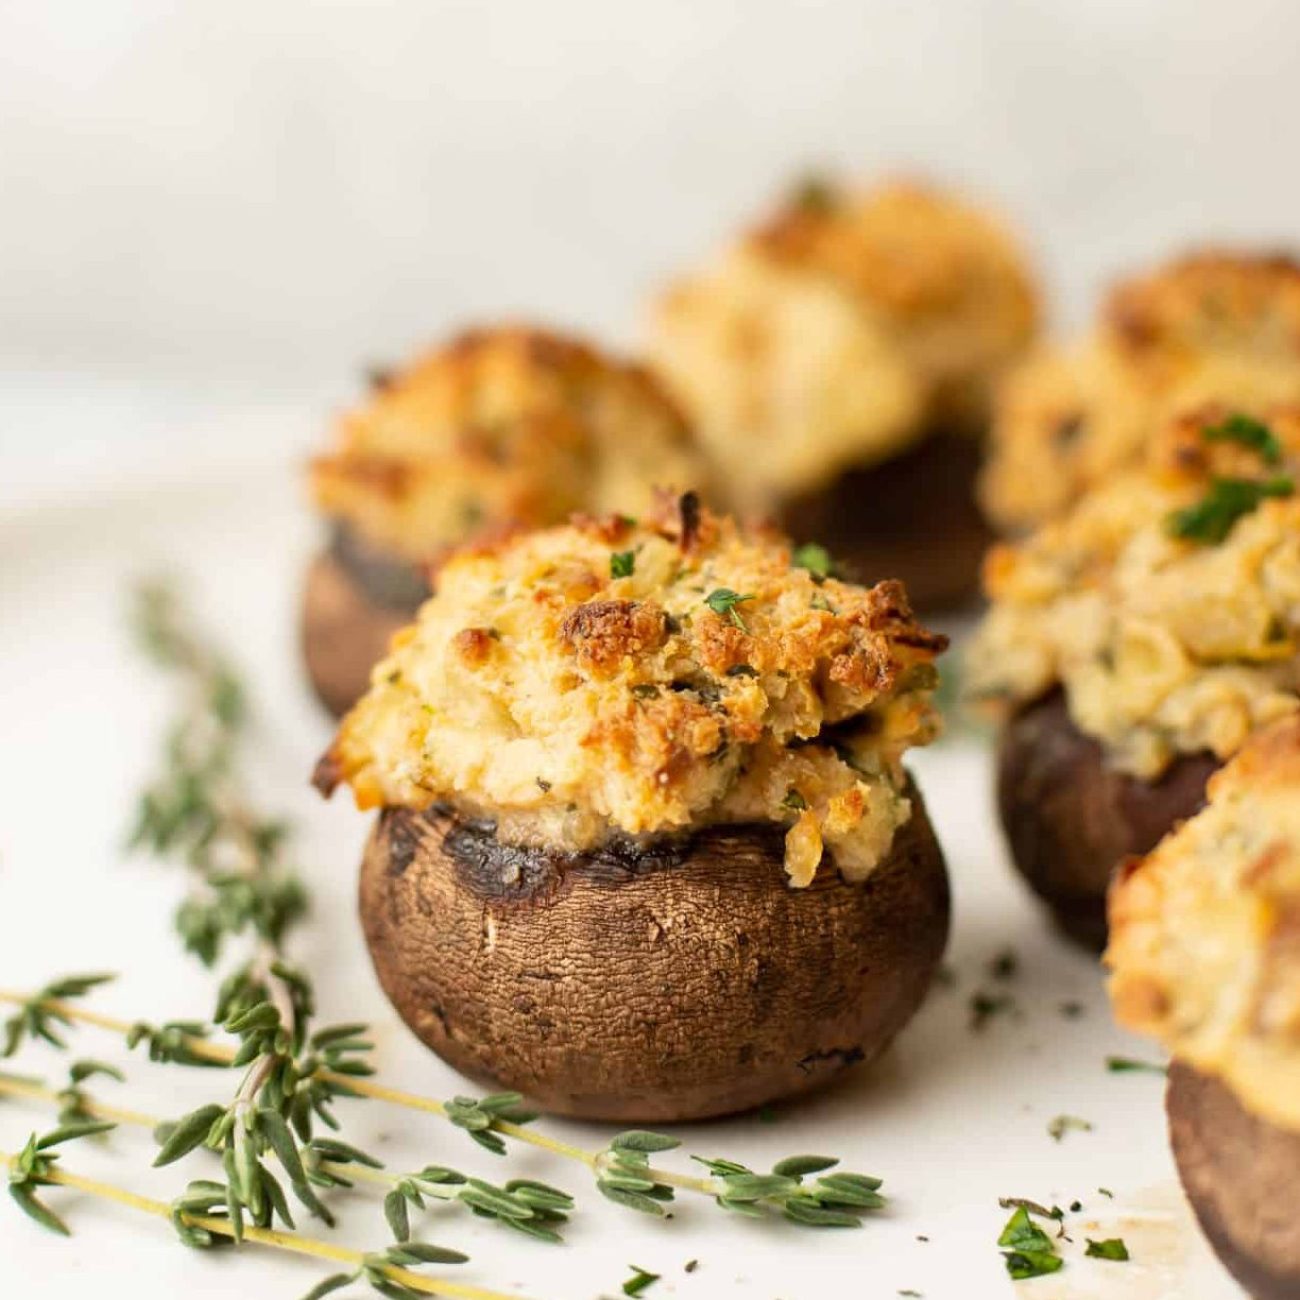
(1205, 932)
(832, 336)
(1166, 602)
(501, 427)
(1211, 326)
(614, 678)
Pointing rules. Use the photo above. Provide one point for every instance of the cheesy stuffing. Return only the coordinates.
(1205, 932)
(714, 682)
(834, 335)
(501, 427)
(1211, 326)
(1164, 644)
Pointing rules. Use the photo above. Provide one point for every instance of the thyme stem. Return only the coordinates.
(287, 1241)
(368, 1088)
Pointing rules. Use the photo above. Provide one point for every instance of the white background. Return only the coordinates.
(253, 198)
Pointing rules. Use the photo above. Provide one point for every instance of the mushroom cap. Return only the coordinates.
(648, 983)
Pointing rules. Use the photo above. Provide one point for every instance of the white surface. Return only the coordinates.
(290, 188)
(950, 1119)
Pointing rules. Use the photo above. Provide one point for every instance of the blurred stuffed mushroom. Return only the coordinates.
(1205, 956)
(838, 362)
(646, 848)
(1135, 644)
(1209, 326)
(500, 428)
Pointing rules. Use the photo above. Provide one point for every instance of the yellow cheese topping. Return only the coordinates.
(1205, 932)
(501, 427)
(610, 678)
(835, 334)
(1211, 326)
(1166, 639)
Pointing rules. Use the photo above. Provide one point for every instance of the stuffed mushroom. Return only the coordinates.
(838, 363)
(1209, 326)
(646, 848)
(1205, 956)
(1133, 645)
(500, 428)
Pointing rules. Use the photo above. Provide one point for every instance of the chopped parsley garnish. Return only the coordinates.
(1211, 518)
(1063, 1124)
(621, 564)
(639, 1280)
(1127, 1065)
(1249, 433)
(984, 1006)
(1111, 1248)
(1030, 1251)
(816, 559)
(794, 801)
(742, 670)
(1004, 965)
(723, 601)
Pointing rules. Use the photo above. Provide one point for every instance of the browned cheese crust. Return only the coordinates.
(643, 985)
(840, 332)
(1210, 326)
(500, 427)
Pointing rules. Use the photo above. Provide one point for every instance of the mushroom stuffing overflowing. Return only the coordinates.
(666, 746)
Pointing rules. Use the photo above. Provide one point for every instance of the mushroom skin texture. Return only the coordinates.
(648, 984)
(1070, 819)
(912, 517)
(354, 600)
(1241, 1175)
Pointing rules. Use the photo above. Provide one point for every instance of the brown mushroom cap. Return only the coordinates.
(912, 517)
(658, 984)
(1241, 1174)
(347, 624)
(1070, 818)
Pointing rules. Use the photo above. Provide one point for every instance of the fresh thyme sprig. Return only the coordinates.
(390, 1271)
(38, 1014)
(523, 1204)
(33, 1167)
(838, 1200)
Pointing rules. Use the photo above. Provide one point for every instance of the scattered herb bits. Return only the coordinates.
(1112, 1248)
(1211, 519)
(723, 601)
(1248, 432)
(1063, 1124)
(622, 564)
(1029, 1252)
(640, 1280)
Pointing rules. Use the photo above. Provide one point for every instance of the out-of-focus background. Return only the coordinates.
(213, 215)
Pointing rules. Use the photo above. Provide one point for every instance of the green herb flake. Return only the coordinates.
(742, 670)
(1030, 1251)
(1211, 519)
(1128, 1065)
(1112, 1248)
(794, 801)
(639, 1281)
(816, 559)
(1248, 432)
(723, 601)
(622, 564)
(1064, 1124)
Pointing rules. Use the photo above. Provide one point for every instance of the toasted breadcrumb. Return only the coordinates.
(832, 336)
(715, 683)
(1210, 326)
(509, 426)
(1205, 932)
(1165, 645)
